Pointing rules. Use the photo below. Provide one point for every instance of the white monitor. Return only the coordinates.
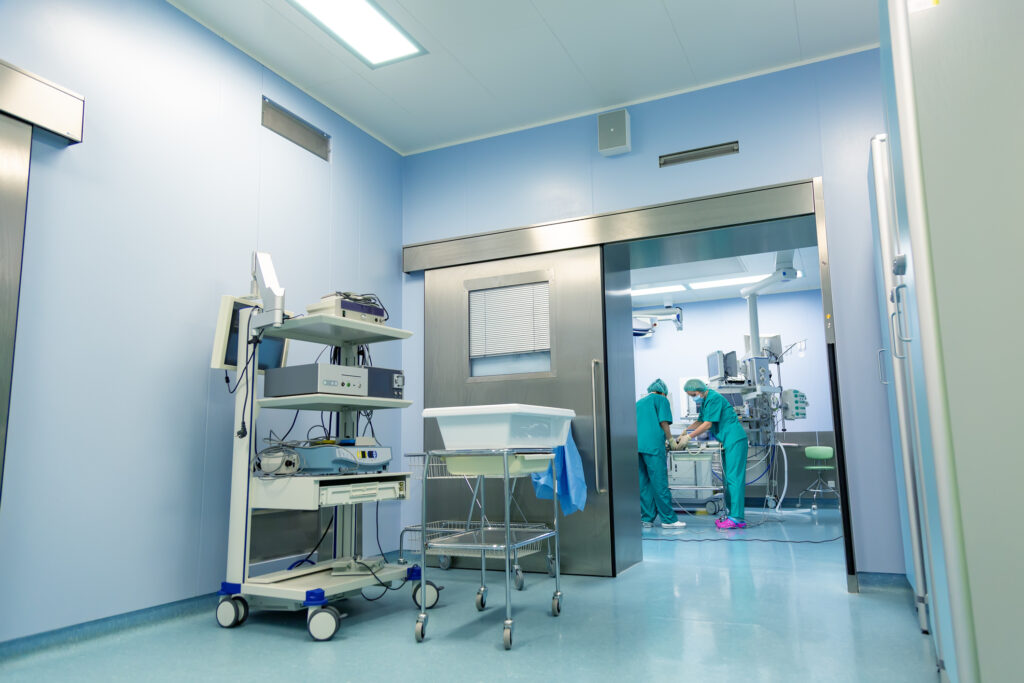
(273, 351)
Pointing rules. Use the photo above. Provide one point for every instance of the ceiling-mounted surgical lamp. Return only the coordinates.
(653, 315)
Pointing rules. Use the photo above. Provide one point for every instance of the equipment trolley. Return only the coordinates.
(485, 539)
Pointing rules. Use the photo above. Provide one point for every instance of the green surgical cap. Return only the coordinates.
(659, 386)
(695, 385)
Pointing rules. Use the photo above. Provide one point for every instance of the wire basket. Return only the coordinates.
(440, 529)
(438, 469)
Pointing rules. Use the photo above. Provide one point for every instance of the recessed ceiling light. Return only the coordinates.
(918, 5)
(727, 282)
(658, 290)
(362, 27)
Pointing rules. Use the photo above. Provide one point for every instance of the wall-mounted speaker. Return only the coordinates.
(613, 132)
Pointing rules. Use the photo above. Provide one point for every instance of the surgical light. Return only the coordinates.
(363, 28)
(658, 290)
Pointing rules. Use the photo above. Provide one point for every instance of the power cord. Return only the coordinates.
(306, 559)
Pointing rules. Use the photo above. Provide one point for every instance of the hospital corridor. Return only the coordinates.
(471, 340)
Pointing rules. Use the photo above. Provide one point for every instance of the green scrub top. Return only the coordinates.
(651, 411)
(725, 426)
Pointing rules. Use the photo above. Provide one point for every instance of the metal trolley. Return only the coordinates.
(505, 540)
(691, 473)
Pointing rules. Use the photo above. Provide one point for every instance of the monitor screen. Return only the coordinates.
(731, 368)
(273, 351)
(716, 365)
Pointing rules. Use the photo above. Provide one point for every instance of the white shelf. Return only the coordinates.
(312, 493)
(292, 585)
(331, 402)
(334, 330)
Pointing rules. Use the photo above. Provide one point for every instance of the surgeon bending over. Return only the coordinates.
(653, 418)
(718, 416)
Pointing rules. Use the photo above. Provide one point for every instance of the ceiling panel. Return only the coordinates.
(624, 51)
(728, 39)
(831, 26)
(496, 65)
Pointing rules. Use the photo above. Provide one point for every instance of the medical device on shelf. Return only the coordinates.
(312, 458)
(365, 307)
(343, 380)
(794, 404)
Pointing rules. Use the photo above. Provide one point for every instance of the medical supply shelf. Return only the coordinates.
(486, 539)
(311, 582)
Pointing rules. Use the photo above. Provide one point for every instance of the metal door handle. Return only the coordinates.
(593, 404)
(881, 371)
(897, 299)
(892, 337)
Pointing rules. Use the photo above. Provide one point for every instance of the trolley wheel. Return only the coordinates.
(323, 624)
(432, 593)
(444, 561)
(481, 600)
(227, 613)
(421, 631)
(556, 605)
(243, 609)
(711, 507)
(519, 579)
(814, 507)
(337, 612)
(506, 637)
(550, 562)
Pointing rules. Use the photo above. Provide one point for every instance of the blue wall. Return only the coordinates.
(115, 489)
(815, 120)
(720, 325)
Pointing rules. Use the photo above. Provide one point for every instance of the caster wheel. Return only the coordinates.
(814, 508)
(323, 624)
(243, 609)
(506, 637)
(336, 611)
(432, 593)
(421, 631)
(444, 562)
(519, 579)
(556, 606)
(227, 613)
(481, 600)
(550, 562)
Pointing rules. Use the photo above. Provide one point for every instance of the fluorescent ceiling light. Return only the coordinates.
(658, 290)
(728, 282)
(363, 28)
(731, 281)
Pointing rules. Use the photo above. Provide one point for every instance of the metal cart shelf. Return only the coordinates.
(485, 539)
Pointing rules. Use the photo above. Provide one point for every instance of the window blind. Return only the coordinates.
(509, 320)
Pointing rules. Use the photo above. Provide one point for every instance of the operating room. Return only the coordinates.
(492, 322)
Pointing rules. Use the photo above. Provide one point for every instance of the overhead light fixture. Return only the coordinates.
(362, 27)
(658, 290)
(731, 281)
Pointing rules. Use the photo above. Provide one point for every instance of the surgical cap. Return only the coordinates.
(659, 386)
(695, 385)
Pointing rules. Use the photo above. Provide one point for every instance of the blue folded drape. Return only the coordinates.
(572, 486)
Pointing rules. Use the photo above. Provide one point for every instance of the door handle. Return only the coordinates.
(897, 299)
(892, 337)
(881, 371)
(593, 404)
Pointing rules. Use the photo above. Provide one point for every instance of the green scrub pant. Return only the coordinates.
(655, 500)
(734, 474)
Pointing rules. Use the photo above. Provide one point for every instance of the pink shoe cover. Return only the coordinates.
(730, 523)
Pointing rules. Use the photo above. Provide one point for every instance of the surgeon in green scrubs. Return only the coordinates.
(719, 417)
(653, 418)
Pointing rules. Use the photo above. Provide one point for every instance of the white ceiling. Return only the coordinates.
(805, 260)
(494, 66)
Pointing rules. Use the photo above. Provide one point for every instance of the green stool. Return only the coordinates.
(817, 454)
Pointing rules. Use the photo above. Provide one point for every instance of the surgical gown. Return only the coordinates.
(726, 427)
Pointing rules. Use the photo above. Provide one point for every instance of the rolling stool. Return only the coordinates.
(817, 454)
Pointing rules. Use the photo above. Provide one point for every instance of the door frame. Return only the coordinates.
(773, 202)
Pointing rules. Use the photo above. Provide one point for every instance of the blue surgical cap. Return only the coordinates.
(695, 385)
(659, 386)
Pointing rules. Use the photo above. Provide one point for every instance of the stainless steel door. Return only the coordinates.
(577, 380)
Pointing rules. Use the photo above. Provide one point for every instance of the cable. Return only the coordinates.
(306, 558)
(383, 585)
(737, 540)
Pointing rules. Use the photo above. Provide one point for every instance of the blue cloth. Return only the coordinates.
(651, 411)
(572, 486)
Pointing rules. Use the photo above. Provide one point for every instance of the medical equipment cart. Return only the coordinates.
(336, 497)
(489, 540)
(692, 470)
